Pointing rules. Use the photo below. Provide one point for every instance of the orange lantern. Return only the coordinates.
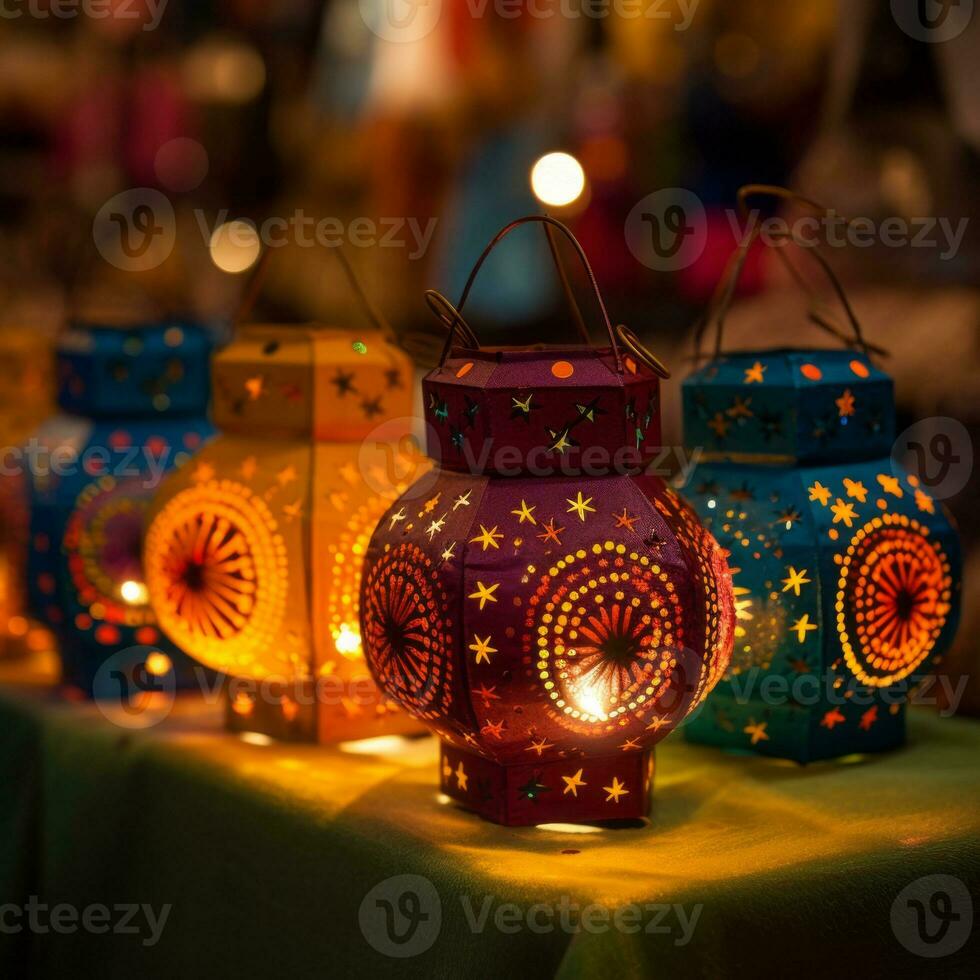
(253, 553)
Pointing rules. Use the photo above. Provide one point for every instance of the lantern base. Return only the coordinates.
(583, 790)
(289, 712)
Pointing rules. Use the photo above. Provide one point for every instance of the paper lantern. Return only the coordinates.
(254, 552)
(134, 403)
(26, 399)
(545, 609)
(846, 571)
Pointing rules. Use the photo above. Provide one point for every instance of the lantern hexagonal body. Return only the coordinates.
(134, 403)
(549, 626)
(254, 553)
(26, 399)
(846, 572)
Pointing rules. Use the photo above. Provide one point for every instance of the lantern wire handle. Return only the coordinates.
(724, 293)
(256, 282)
(452, 315)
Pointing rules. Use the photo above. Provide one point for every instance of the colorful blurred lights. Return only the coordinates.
(235, 246)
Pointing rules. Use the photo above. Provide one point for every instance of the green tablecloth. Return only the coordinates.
(266, 853)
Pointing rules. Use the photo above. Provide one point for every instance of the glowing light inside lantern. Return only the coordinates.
(557, 179)
(158, 664)
(235, 246)
(134, 593)
(348, 641)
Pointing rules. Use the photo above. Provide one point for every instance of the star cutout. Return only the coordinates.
(924, 502)
(868, 718)
(844, 512)
(255, 387)
(486, 693)
(788, 517)
(293, 511)
(890, 485)
(249, 468)
(624, 520)
(719, 425)
(393, 378)
(856, 489)
(344, 382)
(523, 409)
(572, 784)
(525, 513)
(395, 518)
(743, 493)
(286, 476)
(203, 473)
(590, 411)
(615, 791)
(540, 746)
(471, 411)
(757, 731)
(795, 581)
(430, 504)
(771, 425)
(803, 626)
(494, 729)
(532, 789)
(487, 538)
(657, 723)
(740, 409)
(484, 593)
(435, 527)
(482, 648)
(371, 407)
(551, 532)
(819, 492)
(580, 506)
(630, 745)
(561, 441)
(463, 500)
(461, 777)
(755, 374)
(832, 718)
(450, 553)
(845, 404)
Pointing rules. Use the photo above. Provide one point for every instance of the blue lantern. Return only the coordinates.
(133, 406)
(846, 572)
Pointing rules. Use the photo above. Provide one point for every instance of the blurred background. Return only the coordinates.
(146, 144)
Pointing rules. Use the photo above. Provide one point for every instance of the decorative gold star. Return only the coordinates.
(463, 500)
(286, 476)
(657, 723)
(561, 441)
(540, 746)
(482, 648)
(630, 744)
(523, 407)
(292, 511)
(450, 553)
(493, 728)
(395, 518)
(890, 485)
(719, 425)
(832, 718)
(803, 626)
(551, 532)
(580, 506)
(868, 718)
(740, 409)
(525, 513)
(615, 791)
(624, 520)
(484, 593)
(461, 777)
(845, 512)
(572, 783)
(845, 404)
(255, 387)
(795, 581)
(924, 502)
(856, 489)
(757, 731)
(430, 504)
(755, 374)
(487, 693)
(436, 526)
(819, 492)
(487, 538)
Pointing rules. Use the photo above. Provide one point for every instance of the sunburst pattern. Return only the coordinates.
(893, 599)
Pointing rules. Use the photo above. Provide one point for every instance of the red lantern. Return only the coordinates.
(549, 611)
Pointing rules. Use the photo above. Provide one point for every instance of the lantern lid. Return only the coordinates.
(338, 385)
(557, 410)
(790, 406)
(135, 371)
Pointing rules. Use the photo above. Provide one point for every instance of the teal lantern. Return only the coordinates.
(846, 572)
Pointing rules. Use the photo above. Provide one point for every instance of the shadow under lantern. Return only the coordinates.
(548, 611)
(254, 553)
(846, 572)
(134, 405)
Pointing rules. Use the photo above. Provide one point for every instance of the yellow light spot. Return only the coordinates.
(158, 664)
(134, 593)
(235, 246)
(557, 179)
(347, 641)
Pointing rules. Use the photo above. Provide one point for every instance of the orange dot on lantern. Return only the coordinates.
(811, 372)
(465, 370)
(562, 369)
(630, 365)
(860, 369)
(107, 635)
(147, 636)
